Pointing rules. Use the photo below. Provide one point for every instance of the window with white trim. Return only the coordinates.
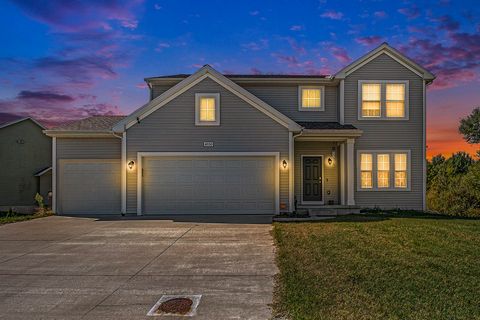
(383, 99)
(366, 169)
(383, 170)
(207, 109)
(371, 100)
(375, 167)
(400, 170)
(311, 98)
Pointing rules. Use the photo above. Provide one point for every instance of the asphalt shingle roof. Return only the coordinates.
(94, 123)
(253, 76)
(325, 125)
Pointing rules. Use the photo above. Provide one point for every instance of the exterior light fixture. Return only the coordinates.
(330, 161)
(131, 164)
(284, 164)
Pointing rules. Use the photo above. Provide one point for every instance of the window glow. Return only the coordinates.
(207, 109)
(400, 170)
(383, 170)
(395, 100)
(371, 99)
(311, 98)
(366, 167)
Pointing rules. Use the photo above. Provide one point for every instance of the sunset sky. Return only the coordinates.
(63, 60)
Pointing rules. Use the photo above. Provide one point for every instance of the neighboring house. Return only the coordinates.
(26, 159)
(209, 143)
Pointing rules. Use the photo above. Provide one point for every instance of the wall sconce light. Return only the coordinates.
(284, 164)
(131, 164)
(330, 161)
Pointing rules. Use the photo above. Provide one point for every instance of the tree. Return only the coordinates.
(459, 163)
(470, 127)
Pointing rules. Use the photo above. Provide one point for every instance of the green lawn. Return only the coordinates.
(379, 267)
(9, 217)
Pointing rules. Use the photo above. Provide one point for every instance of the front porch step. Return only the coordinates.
(335, 210)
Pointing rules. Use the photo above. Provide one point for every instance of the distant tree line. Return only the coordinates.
(453, 184)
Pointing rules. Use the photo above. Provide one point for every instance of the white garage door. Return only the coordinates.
(209, 185)
(89, 186)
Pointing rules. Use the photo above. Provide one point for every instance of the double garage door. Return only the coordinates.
(208, 185)
(173, 185)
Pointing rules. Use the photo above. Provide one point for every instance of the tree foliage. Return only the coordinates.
(470, 127)
(453, 185)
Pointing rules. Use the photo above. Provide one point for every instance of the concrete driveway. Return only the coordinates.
(87, 268)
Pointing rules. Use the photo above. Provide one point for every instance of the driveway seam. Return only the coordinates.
(136, 273)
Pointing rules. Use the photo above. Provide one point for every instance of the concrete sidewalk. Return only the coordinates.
(84, 268)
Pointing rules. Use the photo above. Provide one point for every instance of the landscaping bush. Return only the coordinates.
(453, 185)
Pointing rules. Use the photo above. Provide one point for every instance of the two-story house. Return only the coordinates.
(209, 143)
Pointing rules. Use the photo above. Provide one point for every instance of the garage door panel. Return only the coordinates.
(208, 185)
(89, 186)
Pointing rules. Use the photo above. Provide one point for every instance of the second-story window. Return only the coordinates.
(371, 100)
(395, 100)
(311, 98)
(207, 109)
(382, 100)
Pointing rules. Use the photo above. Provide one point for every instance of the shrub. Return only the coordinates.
(454, 186)
(39, 200)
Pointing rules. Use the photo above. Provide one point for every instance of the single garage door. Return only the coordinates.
(89, 186)
(209, 185)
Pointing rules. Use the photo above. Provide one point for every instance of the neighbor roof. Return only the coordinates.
(20, 120)
(93, 123)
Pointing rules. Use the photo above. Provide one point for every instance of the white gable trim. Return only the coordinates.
(391, 52)
(191, 81)
(379, 54)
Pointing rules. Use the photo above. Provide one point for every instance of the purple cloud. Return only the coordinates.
(6, 117)
(448, 23)
(162, 46)
(296, 28)
(44, 95)
(369, 41)
(411, 13)
(380, 14)
(453, 64)
(295, 46)
(340, 54)
(332, 14)
(82, 70)
(54, 112)
(74, 16)
(256, 45)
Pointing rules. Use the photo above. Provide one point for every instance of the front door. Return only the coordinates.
(312, 179)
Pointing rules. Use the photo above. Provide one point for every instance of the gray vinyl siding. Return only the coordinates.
(158, 90)
(389, 134)
(24, 150)
(172, 128)
(284, 98)
(331, 174)
(89, 148)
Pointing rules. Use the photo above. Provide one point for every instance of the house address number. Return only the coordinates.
(208, 144)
